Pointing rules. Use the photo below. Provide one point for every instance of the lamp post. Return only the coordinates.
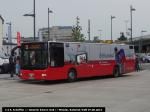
(131, 10)
(89, 30)
(112, 17)
(9, 32)
(140, 41)
(33, 15)
(49, 11)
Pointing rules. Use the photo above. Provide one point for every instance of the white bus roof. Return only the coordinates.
(87, 43)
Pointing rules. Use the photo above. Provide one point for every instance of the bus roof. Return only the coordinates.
(77, 43)
(87, 43)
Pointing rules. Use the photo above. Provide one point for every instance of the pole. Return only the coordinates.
(89, 29)
(48, 26)
(111, 28)
(112, 17)
(131, 21)
(131, 10)
(34, 18)
(33, 15)
(9, 32)
(49, 11)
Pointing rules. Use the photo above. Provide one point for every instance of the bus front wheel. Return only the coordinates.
(72, 76)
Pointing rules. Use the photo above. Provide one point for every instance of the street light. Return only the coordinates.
(140, 41)
(131, 10)
(89, 29)
(112, 17)
(100, 31)
(9, 32)
(49, 11)
(32, 15)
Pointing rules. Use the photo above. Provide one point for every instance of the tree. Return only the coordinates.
(122, 37)
(76, 32)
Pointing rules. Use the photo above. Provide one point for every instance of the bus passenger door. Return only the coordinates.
(56, 60)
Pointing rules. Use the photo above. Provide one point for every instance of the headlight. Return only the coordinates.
(44, 75)
(20, 74)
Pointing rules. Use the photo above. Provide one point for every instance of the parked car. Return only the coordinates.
(146, 58)
(4, 64)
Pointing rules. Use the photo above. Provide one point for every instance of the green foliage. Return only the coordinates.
(76, 32)
(77, 36)
(122, 37)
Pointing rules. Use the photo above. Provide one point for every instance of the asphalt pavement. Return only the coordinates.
(130, 93)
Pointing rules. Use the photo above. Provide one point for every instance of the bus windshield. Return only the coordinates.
(34, 56)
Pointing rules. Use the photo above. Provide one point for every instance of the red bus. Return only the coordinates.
(72, 60)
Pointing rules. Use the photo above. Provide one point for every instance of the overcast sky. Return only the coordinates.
(65, 12)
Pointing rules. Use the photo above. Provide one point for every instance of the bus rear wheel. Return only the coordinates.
(72, 76)
(116, 72)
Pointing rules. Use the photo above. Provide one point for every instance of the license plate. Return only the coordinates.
(31, 76)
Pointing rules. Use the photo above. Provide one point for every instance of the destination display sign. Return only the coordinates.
(33, 46)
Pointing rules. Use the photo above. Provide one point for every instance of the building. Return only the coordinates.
(5, 47)
(1, 30)
(142, 44)
(57, 33)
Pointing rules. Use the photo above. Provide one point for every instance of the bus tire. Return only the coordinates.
(116, 72)
(72, 75)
